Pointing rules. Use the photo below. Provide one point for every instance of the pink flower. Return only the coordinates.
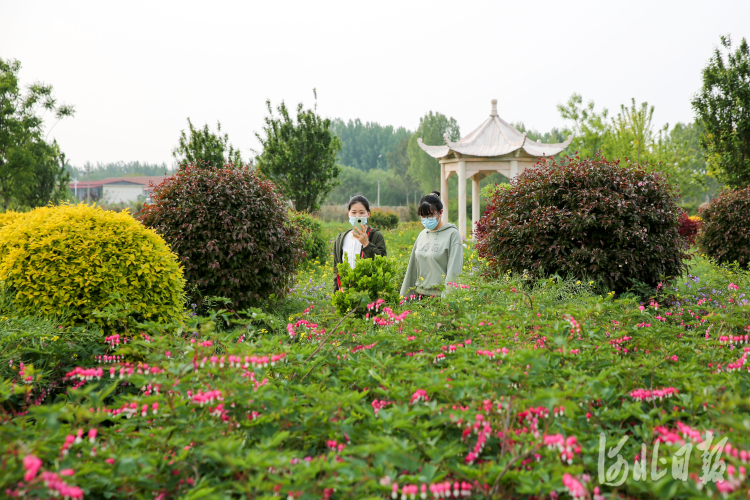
(110, 461)
(732, 286)
(32, 464)
(67, 472)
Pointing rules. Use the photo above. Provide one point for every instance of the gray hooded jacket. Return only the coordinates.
(436, 259)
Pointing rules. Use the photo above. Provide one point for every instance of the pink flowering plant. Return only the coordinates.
(502, 391)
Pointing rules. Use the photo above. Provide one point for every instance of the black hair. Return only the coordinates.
(429, 204)
(358, 199)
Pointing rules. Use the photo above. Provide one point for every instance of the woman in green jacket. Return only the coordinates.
(355, 244)
(438, 254)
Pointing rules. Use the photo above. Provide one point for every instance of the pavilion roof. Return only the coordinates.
(494, 137)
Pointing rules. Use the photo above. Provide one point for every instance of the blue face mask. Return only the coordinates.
(353, 220)
(430, 222)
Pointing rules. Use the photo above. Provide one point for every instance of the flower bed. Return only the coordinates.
(502, 390)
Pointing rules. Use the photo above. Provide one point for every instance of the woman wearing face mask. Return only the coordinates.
(438, 253)
(355, 243)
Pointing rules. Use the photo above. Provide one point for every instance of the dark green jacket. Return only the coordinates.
(375, 247)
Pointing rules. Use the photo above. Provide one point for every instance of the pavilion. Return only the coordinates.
(494, 146)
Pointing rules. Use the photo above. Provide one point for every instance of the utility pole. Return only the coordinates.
(88, 183)
(75, 187)
(378, 193)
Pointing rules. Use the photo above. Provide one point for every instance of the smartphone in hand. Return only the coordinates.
(359, 222)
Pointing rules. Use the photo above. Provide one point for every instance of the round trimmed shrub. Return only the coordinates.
(70, 260)
(616, 223)
(230, 229)
(383, 219)
(725, 229)
(311, 231)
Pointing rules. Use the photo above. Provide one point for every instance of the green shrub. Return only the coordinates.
(378, 278)
(71, 260)
(585, 218)
(313, 238)
(382, 219)
(230, 228)
(488, 191)
(725, 229)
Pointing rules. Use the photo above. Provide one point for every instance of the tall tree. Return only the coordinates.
(205, 148)
(631, 133)
(300, 157)
(589, 126)
(424, 168)
(30, 172)
(398, 164)
(723, 107)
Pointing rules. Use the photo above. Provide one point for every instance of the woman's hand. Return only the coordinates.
(361, 236)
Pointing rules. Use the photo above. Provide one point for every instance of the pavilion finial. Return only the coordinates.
(494, 107)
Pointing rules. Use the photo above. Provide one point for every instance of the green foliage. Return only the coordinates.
(53, 349)
(725, 229)
(70, 260)
(311, 231)
(366, 146)
(205, 148)
(371, 279)
(723, 107)
(32, 171)
(589, 126)
(423, 168)
(488, 191)
(231, 231)
(383, 219)
(270, 432)
(300, 157)
(614, 222)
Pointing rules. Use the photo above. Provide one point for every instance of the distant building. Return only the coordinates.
(117, 189)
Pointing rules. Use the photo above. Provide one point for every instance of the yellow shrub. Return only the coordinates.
(9, 217)
(68, 260)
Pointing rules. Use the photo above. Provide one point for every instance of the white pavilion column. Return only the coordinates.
(462, 198)
(513, 168)
(444, 192)
(474, 202)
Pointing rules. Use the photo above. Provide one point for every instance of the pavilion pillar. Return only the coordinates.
(444, 192)
(513, 168)
(462, 198)
(474, 203)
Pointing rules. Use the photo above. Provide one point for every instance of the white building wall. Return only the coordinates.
(113, 193)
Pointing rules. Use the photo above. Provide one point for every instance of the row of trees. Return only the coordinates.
(99, 171)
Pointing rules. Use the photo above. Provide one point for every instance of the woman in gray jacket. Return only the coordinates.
(438, 254)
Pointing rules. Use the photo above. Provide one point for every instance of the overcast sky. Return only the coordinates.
(136, 70)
